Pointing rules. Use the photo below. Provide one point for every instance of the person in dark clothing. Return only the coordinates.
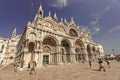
(28, 66)
(16, 66)
(108, 62)
(101, 65)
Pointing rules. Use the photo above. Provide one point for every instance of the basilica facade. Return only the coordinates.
(49, 42)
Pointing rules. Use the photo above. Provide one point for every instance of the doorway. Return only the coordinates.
(45, 59)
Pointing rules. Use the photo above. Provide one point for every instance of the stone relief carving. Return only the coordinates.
(48, 24)
(73, 33)
(46, 50)
(32, 36)
(60, 28)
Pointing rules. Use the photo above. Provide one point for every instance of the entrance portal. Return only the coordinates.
(45, 59)
(65, 44)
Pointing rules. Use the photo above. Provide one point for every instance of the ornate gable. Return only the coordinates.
(61, 28)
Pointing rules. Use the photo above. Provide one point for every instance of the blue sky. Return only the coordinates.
(100, 17)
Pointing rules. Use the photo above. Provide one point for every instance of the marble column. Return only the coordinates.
(86, 54)
(72, 53)
(40, 56)
(59, 56)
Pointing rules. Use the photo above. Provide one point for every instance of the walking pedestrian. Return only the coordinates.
(28, 66)
(16, 66)
(108, 63)
(90, 62)
(32, 67)
(101, 65)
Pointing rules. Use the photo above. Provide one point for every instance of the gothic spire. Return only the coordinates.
(29, 23)
(72, 20)
(55, 17)
(49, 14)
(14, 33)
(65, 21)
(40, 11)
(61, 19)
(35, 18)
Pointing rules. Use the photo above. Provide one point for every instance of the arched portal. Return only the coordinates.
(31, 51)
(66, 50)
(49, 51)
(49, 41)
(78, 55)
(79, 50)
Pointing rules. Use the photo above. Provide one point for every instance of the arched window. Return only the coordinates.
(31, 47)
(73, 33)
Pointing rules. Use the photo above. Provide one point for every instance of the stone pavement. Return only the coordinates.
(75, 71)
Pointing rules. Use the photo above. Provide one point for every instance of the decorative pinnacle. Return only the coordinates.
(65, 21)
(40, 8)
(61, 19)
(49, 14)
(72, 20)
(55, 16)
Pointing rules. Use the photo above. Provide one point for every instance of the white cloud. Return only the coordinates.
(95, 26)
(115, 29)
(105, 10)
(85, 28)
(94, 23)
(96, 30)
(63, 3)
(98, 16)
(58, 3)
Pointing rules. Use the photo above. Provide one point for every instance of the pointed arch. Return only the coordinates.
(61, 28)
(79, 43)
(73, 33)
(31, 47)
(65, 43)
(50, 49)
(94, 48)
(79, 46)
(50, 40)
(31, 54)
(49, 23)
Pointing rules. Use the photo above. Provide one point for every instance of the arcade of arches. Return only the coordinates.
(52, 52)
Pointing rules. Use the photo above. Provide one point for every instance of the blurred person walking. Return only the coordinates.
(16, 66)
(90, 62)
(32, 67)
(101, 65)
(108, 63)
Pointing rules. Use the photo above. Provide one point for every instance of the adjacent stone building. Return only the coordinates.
(10, 48)
(49, 42)
(3, 48)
